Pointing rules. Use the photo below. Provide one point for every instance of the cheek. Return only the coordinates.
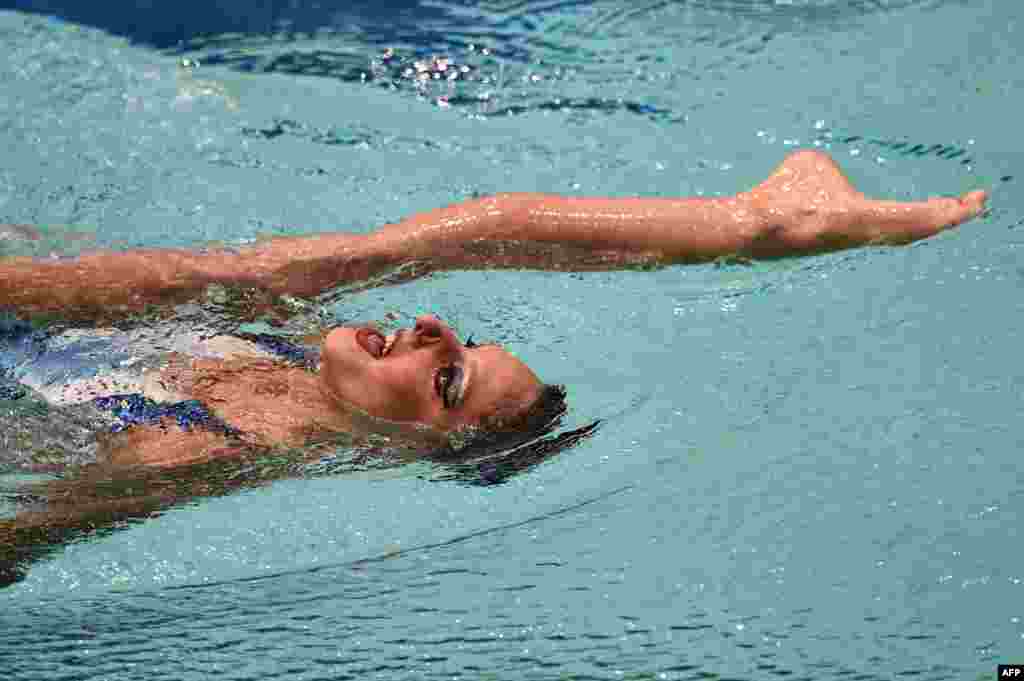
(394, 388)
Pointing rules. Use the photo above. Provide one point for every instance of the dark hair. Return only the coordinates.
(508, 444)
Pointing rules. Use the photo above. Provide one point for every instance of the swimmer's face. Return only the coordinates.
(424, 375)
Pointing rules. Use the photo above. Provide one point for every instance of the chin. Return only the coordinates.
(338, 356)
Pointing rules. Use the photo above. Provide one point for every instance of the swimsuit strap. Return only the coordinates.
(135, 409)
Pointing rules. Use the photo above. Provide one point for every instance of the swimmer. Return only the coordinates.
(216, 401)
(425, 376)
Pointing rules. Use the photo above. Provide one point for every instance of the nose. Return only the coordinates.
(429, 330)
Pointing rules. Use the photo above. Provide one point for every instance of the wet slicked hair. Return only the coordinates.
(507, 444)
(547, 408)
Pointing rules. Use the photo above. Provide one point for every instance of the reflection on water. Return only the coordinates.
(391, 22)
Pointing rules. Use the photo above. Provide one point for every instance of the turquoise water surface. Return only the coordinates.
(804, 469)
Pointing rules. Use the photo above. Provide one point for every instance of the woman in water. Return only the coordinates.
(423, 383)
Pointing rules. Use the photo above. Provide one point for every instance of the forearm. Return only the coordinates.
(507, 225)
(507, 230)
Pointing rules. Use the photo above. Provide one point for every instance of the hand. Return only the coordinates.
(809, 206)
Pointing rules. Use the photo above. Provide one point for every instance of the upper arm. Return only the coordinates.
(168, 445)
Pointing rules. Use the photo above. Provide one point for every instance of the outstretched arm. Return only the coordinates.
(805, 206)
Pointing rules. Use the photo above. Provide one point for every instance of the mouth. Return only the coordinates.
(372, 341)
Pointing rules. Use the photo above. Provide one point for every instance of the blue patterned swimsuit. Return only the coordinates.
(76, 367)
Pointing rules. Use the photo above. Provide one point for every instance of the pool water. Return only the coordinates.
(807, 468)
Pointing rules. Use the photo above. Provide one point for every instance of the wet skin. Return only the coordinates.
(419, 376)
(424, 375)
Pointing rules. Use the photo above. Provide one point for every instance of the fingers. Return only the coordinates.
(953, 212)
(903, 222)
(975, 203)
